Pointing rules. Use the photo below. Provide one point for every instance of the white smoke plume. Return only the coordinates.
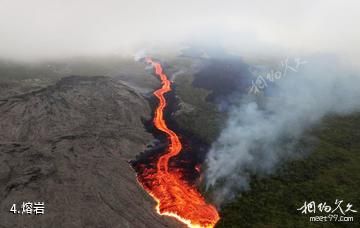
(257, 137)
(140, 55)
(177, 73)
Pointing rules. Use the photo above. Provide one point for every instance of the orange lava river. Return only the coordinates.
(175, 197)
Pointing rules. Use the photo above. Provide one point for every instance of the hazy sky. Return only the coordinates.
(43, 28)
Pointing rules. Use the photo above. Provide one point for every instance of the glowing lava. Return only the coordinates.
(175, 197)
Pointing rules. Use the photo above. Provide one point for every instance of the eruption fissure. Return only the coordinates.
(175, 196)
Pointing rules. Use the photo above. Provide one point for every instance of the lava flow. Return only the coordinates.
(175, 197)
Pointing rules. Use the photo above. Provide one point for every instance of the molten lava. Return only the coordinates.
(175, 197)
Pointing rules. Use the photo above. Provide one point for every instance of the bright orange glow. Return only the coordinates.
(175, 197)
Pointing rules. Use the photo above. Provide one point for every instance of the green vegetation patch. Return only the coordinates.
(331, 171)
(196, 115)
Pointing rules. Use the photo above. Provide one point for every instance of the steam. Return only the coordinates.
(177, 73)
(140, 55)
(258, 136)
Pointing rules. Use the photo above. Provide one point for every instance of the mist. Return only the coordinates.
(40, 29)
(260, 136)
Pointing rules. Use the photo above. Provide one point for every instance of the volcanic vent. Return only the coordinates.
(175, 196)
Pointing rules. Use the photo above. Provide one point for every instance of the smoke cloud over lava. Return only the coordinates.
(258, 136)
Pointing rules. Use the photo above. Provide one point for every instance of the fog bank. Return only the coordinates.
(41, 29)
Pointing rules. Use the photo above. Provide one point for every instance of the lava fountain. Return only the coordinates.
(175, 196)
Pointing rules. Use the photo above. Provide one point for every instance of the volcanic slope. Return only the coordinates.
(68, 145)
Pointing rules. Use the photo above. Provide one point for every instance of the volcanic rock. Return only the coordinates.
(69, 145)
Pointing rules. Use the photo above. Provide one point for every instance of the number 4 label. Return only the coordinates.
(13, 209)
